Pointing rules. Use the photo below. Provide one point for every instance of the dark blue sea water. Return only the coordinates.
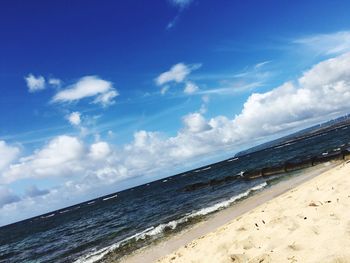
(115, 225)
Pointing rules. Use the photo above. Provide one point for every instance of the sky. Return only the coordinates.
(99, 96)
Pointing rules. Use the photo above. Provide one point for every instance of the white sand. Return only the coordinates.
(154, 252)
(310, 223)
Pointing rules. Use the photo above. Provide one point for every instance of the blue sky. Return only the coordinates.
(99, 96)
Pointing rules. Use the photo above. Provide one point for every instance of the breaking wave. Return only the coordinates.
(160, 229)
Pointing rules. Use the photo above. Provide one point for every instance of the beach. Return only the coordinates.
(304, 219)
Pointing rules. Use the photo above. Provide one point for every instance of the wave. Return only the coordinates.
(233, 159)
(206, 168)
(161, 228)
(226, 203)
(203, 169)
(48, 216)
(110, 197)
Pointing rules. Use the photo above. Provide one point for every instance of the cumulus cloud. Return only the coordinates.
(177, 73)
(34, 83)
(190, 88)
(195, 122)
(89, 86)
(60, 157)
(99, 150)
(320, 93)
(107, 98)
(8, 154)
(74, 118)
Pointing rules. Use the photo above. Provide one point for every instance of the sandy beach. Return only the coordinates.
(310, 223)
(303, 219)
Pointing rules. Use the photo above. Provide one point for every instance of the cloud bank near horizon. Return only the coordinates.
(320, 93)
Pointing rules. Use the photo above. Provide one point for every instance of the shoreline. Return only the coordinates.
(165, 247)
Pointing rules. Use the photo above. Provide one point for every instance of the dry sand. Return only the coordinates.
(281, 234)
(310, 223)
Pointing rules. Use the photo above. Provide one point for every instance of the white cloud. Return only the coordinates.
(190, 88)
(177, 73)
(319, 94)
(89, 86)
(74, 118)
(60, 157)
(106, 99)
(35, 84)
(55, 82)
(8, 154)
(327, 44)
(322, 91)
(195, 122)
(99, 150)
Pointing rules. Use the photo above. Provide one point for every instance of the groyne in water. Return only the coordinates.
(295, 164)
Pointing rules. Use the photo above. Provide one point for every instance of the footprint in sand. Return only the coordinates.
(238, 258)
(294, 247)
(242, 228)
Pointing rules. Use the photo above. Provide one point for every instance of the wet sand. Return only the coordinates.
(274, 225)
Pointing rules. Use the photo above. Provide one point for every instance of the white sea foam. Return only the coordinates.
(110, 197)
(233, 159)
(153, 231)
(241, 173)
(226, 203)
(51, 215)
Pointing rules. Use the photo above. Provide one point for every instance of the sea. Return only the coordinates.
(110, 227)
